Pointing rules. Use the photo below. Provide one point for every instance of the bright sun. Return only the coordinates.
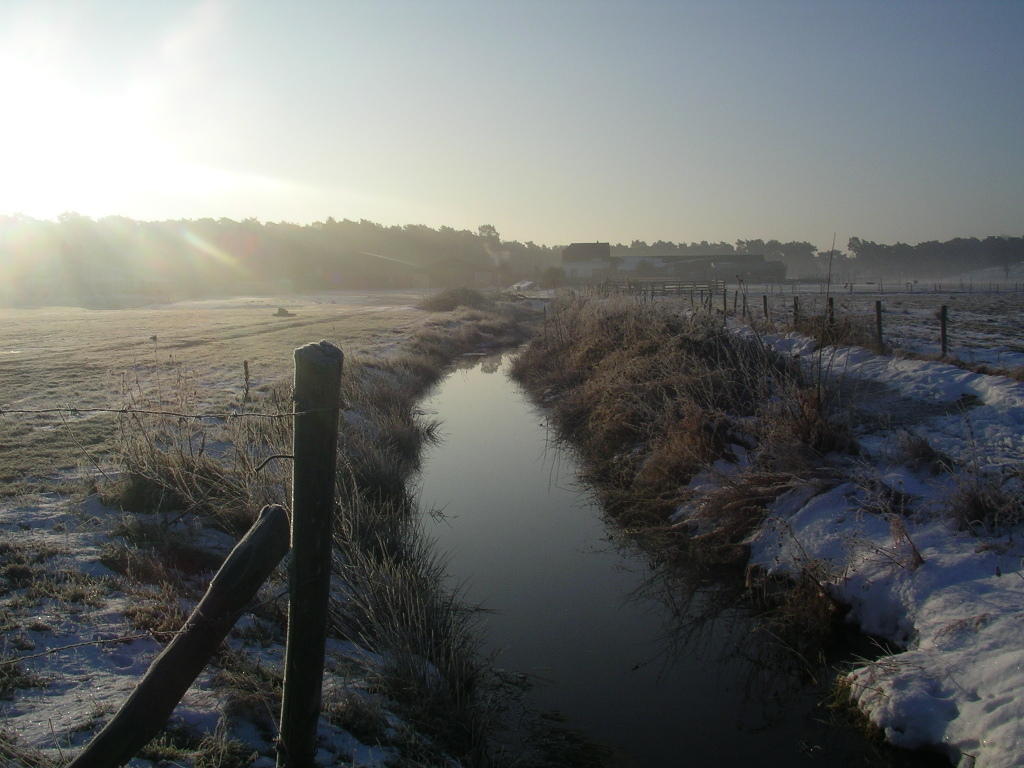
(65, 147)
(74, 139)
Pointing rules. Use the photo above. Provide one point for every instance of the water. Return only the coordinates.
(584, 616)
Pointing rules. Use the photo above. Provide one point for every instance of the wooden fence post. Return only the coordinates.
(831, 312)
(317, 397)
(149, 706)
(725, 301)
(796, 310)
(942, 328)
(878, 324)
(764, 301)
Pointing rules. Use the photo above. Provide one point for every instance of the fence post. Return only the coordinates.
(725, 301)
(317, 396)
(878, 324)
(149, 706)
(764, 301)
(796, 311)
(942, 328)
(831, 311)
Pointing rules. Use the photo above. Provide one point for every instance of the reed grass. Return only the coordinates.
(652, 397)
(421, 646)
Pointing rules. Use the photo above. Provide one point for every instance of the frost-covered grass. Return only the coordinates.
(885, 488)
(72, 357)
(112, 570)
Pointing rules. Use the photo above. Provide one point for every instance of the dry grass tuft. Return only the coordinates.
(844, 331)
(727, 515)
(12, 677)
(391, 599)
(157, 611)
(395, 603)
(988, 503)
(15, 755)
(453, 298)
(916, 452)
(653, 398)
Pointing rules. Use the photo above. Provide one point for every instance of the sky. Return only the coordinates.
(555, 121)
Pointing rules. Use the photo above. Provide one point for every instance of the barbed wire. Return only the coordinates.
(73, 411)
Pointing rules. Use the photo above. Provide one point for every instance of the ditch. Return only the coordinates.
(600, 634)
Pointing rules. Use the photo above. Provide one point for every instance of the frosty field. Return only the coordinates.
(984, 326)
(80, 358)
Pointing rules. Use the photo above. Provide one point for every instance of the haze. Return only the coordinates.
(556, 121)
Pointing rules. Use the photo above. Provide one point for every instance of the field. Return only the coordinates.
(983, 326)
(983, 329)
(111, 524)
(80, 358)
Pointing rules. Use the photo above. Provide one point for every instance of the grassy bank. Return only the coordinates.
(827, 490)
(655, 400)
(405, 684)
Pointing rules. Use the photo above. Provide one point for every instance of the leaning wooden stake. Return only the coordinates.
(878, 325)
(149, 706)
(317, 396)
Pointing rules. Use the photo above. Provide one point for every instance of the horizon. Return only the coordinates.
(732, 242)
(557, 123)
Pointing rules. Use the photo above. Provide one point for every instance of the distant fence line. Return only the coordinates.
(663, 287)
(714, 297)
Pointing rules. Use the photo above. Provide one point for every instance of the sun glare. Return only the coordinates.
(71, 140)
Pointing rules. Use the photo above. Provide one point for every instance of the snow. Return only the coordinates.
(90, 659)
(958, 616)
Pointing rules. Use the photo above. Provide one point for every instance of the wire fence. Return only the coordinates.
(74, 411)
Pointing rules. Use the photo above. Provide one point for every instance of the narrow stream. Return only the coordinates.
(584, 616)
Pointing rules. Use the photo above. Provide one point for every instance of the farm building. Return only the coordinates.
(728, 266)
(583, 261)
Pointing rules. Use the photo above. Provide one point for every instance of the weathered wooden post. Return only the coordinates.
(317, 397)
(878, 324)
(831, 312)
(725, 301)
(942, 328)
(149, 706)
(764, 301)
(796, 311)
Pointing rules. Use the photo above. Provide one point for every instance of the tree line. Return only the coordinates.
(933, 259)
(103, 262)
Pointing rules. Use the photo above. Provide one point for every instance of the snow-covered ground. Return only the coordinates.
(86, 657)
(983, 326)
(66, 618)
(888, 543)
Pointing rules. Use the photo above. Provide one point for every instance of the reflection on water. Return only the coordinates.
(628, 655)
